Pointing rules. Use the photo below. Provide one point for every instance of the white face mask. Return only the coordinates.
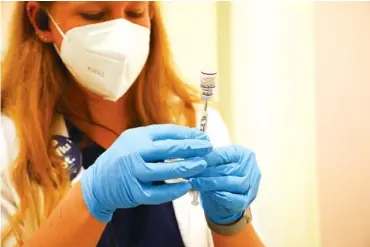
(106, 58)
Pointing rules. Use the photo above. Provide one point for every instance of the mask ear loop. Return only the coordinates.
(57, 26)
(59, 30)
(64, 89)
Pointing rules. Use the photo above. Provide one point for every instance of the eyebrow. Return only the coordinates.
(100, 4)
(82, 3)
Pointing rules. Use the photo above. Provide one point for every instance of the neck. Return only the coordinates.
(101, 120)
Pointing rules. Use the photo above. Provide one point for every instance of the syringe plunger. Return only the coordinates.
(207, 83)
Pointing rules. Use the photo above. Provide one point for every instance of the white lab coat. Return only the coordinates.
(191, 220)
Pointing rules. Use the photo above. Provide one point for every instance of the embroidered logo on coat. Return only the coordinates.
(70, 153)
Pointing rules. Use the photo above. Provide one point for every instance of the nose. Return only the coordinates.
(118, 13)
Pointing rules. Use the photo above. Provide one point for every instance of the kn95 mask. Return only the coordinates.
(105, 58)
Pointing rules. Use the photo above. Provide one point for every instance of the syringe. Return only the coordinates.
(207, 84)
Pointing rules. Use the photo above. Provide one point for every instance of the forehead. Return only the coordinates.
(110, 4)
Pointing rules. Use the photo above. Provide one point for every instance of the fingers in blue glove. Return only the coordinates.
(229, 184)
(149, 172)
(229, 154)
(171, 149)
(233, 184)
(234, 204)
(175, 132)
(122, 176)
(155, 195)
(233, 169)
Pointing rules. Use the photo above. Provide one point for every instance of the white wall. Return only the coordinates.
(342, 51)
(273, 110)
(192, 33)
(267, 99)
(299, 95)
(5, 12)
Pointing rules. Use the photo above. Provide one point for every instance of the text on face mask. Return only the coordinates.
(95, 71)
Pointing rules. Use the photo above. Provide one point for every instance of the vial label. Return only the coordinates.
(203, 123)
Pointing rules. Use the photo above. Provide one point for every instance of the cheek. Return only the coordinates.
(57, 37)
(64, 26)
(148, 23)
(145, 22)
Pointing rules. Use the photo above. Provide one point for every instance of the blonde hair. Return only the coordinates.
(32, 81)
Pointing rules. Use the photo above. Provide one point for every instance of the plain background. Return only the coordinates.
(294, 85)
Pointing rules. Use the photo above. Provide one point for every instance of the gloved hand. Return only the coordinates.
(122, 176)
(229, 184)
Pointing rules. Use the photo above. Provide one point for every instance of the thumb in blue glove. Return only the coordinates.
(122, 176)
(229, 184)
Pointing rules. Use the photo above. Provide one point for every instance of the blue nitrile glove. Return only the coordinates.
(122, 176)
(229, 184)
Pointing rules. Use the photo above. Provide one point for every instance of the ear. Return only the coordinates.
(39, 20)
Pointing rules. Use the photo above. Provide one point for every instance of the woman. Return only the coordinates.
(75, 76)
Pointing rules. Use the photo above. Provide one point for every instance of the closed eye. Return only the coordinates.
(135, 14)
(93, 16)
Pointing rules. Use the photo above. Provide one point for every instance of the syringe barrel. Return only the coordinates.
(203, 121)
(207, 85)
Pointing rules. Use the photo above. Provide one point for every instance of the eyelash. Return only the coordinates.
(133, 14)
(100, 15)
(93, 16)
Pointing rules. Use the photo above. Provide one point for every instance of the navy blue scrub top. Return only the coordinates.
(143, 226)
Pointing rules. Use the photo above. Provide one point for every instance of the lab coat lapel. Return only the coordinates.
(192, 224)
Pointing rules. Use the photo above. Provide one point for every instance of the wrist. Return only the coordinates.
(231, 228)
(226, 220)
